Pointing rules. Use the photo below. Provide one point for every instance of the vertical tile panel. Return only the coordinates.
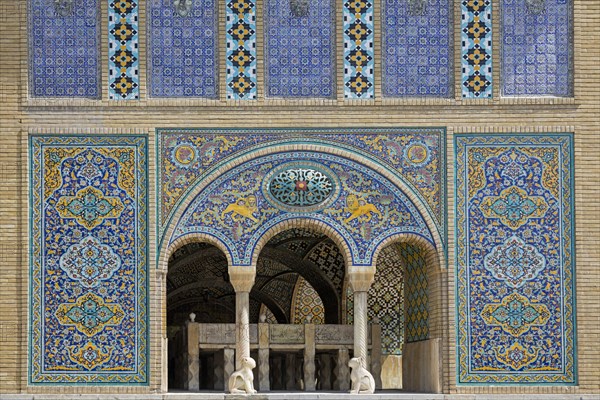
(476, 48)
(240, 31)
(123, 50)
(359, 54)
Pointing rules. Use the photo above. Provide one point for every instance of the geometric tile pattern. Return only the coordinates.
(514, 259)
(359, 56)
(240, 57)
(476, 48)
(123, 51)
(299, 48)
(417, 48)
(537, 40)
(386, 300)
(64, 48)
(415, 293)
(88, 293)
(182, 48)
(307, 305)
(89, 321)
(329, 259)
(417, 155)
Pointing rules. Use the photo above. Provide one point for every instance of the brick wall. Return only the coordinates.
(18, 116)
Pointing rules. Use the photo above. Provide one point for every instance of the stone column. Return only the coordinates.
(263, 357)
(228, 364)
(242, 279)
(376, 353)
(309, 358)
(361, 279)
(342, 371)
(193, 355)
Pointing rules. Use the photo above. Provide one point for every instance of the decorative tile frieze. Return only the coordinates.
(240, 33)
(359, 56)
(123, 50)
(88, 294)
(515, 259)
(476, 48)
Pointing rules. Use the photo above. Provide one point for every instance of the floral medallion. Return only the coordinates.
(516, 356)
(90, 262)
(515, 314)
(514, 262)
(514, 207)
(89, 207)
(90, 314)
(89, 355)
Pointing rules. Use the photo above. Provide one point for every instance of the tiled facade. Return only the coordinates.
(513, 337)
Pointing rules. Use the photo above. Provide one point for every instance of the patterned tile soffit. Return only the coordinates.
(359, 56)
(416, 295)
(186, 156)
(88, 290)
(300, 48)
(515, 260)
(64, 48)
(537, 52)
(476, 48)
(240, 31)
(417, 48)
(182, 43)
(123, 51)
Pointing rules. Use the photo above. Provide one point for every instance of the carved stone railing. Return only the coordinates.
(220, 338)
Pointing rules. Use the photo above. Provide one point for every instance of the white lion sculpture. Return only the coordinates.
(362, 380)
(242, 380)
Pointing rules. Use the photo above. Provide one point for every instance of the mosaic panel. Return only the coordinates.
(123, 52)
(182, 48)
(417, 156)
(233, 207)
(64, 48)
(415, 293)
(328, 258)
(417, 48)
(88, 293)
(359, 55)
(515, 261)
(240, 57)
(307, 305)
(537, 47)
(386, 300)
(476, 48)
(300, 48)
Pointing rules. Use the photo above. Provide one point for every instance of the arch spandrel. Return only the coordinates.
(367, 208)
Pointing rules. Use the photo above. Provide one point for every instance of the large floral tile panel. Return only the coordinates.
(515, 259)
(88, 266)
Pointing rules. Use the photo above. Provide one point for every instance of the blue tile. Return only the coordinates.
(64, 49)
(417, 48)
(182, 54)
(536, 48)
(300, 48)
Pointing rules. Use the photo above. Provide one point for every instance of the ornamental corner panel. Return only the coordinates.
(88, 260)
(515, 260)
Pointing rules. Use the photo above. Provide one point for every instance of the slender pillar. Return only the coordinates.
(361, 279)
(342, 371)
(242, 327)
(242, 279)
(309, 358)
(263, 357)
(193, 356)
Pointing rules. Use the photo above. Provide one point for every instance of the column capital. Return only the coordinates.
(242, 277)
(361, 278)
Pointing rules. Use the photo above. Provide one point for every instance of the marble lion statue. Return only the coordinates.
(242, 380)
(362, 380)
